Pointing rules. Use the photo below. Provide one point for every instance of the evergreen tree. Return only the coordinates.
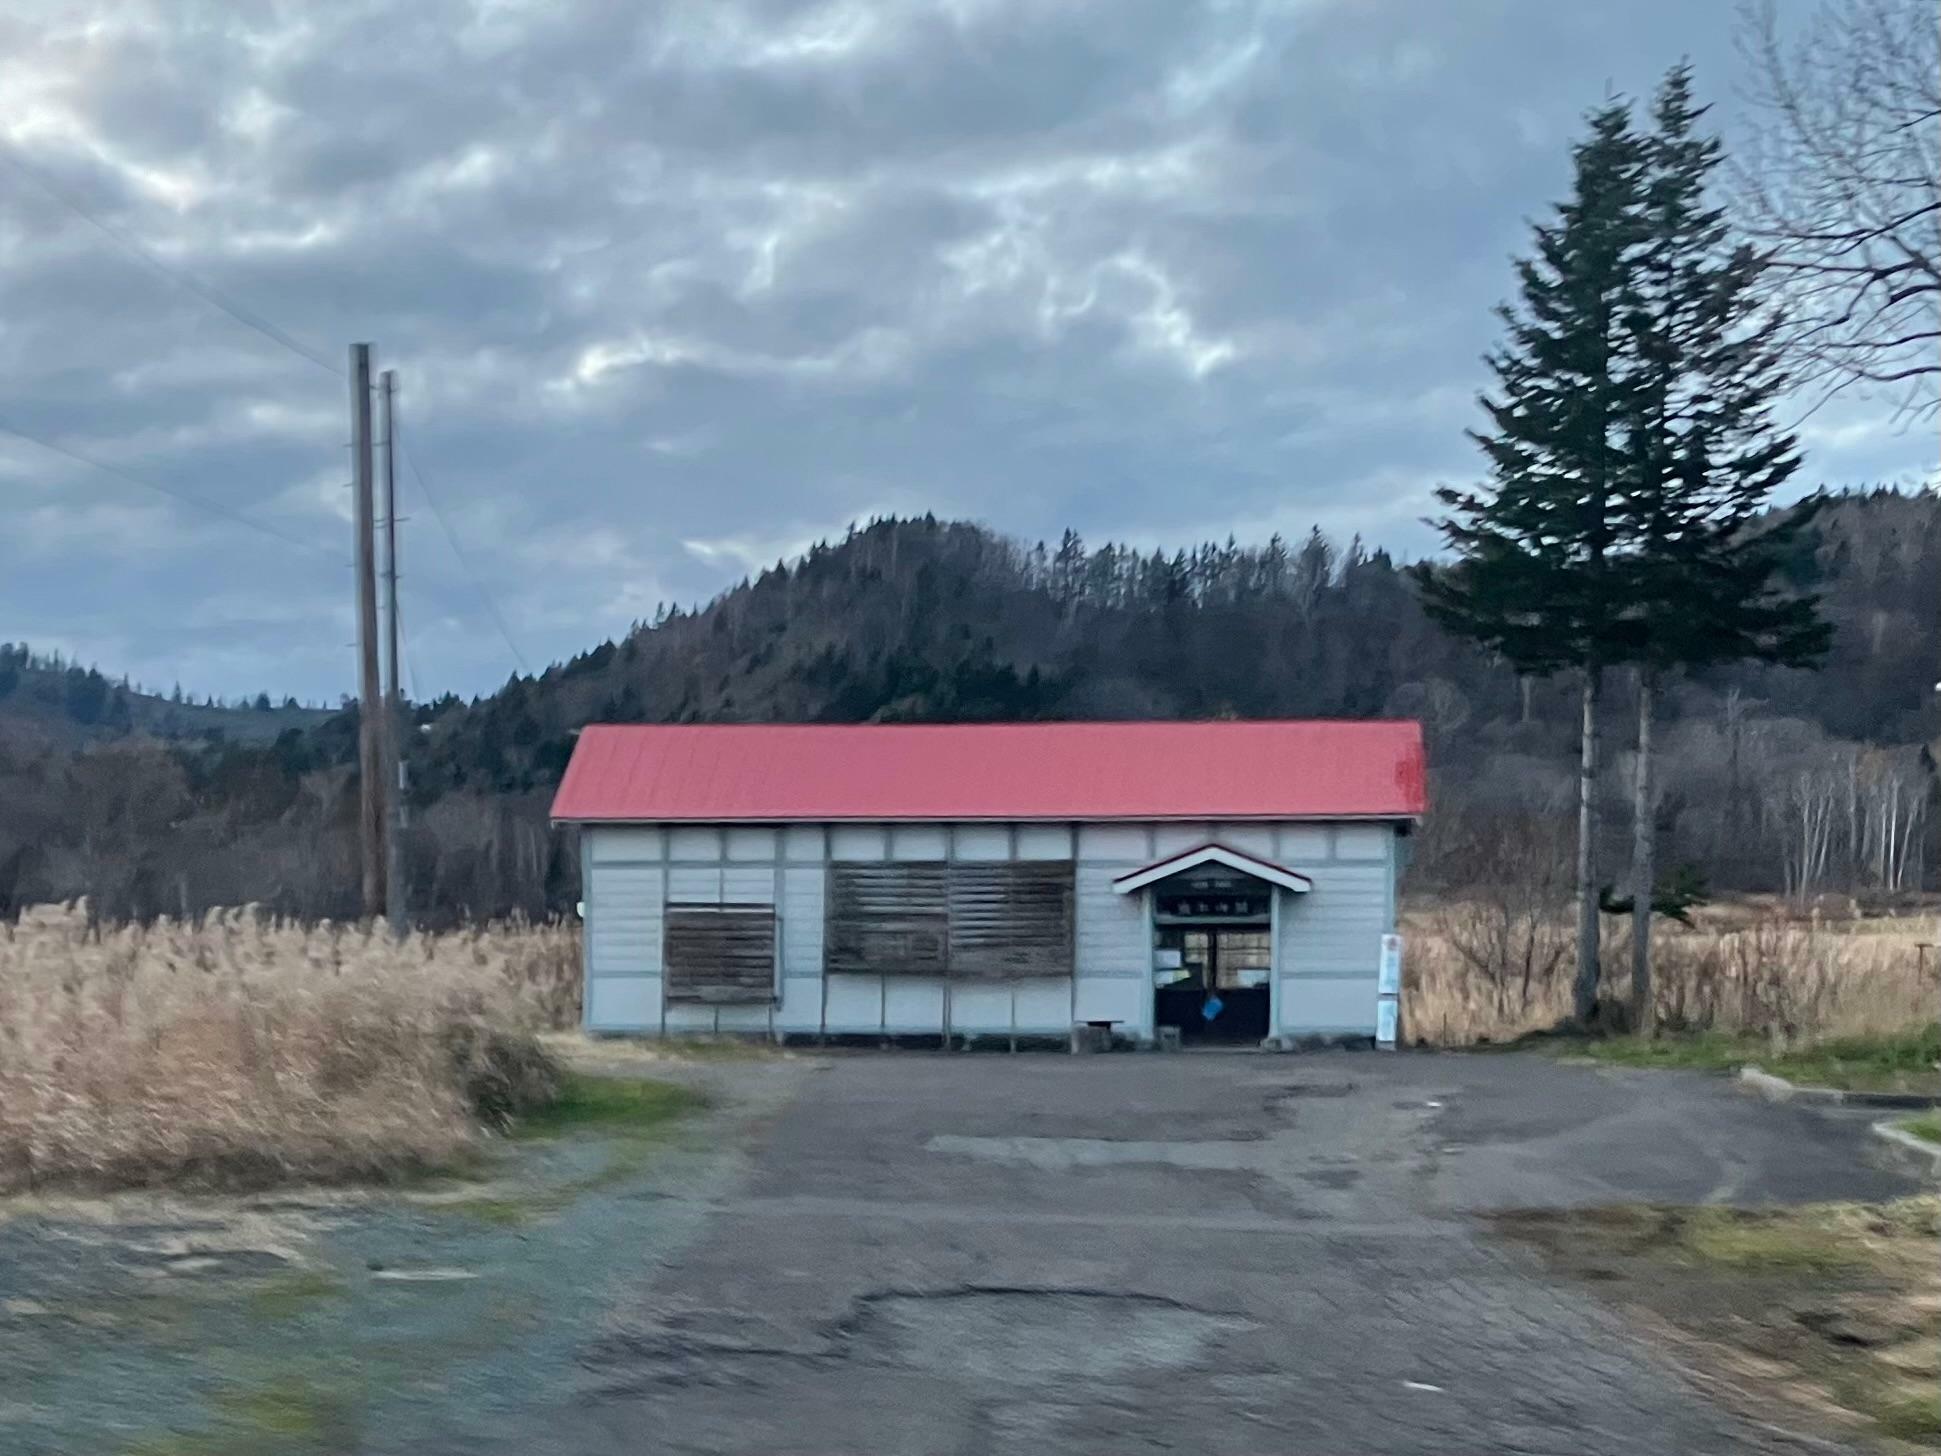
(1068, 570)
(1535, 581)
(1703, 458)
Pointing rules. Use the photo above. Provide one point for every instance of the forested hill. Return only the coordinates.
(928, 620)
(46, 698)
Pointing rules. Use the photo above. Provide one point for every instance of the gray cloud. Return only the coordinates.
(674, 290)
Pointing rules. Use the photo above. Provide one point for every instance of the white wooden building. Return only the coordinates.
(1231, 879)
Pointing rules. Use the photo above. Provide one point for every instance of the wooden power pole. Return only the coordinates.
(394, 724)
(370, 715)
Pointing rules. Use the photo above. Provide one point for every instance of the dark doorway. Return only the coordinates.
(1222, 993)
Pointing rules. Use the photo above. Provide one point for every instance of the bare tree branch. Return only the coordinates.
(1841, 183)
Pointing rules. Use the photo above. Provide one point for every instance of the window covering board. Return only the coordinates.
(719, 955)
(973, 921)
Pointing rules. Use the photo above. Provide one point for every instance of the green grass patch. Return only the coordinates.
(289, 1406)
(290, 1294)
(1911, 1418)
(1927, 1127)
(1707, 1051)
(627, 1116)
(1901, 1062)
(1752, 1241)
(287, 1414)
(624, 1106)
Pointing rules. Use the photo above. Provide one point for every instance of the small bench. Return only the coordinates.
(1093, 1036)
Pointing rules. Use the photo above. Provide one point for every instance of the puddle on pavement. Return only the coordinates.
(1035, 1336)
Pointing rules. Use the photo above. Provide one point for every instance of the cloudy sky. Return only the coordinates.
(674, 289)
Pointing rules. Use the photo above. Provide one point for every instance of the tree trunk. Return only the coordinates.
(1584, 989)
(1643, 875)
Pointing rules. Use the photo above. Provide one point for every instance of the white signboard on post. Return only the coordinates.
(1388, 993)
(1390, 983)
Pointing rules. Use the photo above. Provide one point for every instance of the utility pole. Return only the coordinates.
(394, 724)
(370, 716)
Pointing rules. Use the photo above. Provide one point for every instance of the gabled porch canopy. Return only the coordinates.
(1217, 854)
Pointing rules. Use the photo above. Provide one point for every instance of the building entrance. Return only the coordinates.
(1223, 989)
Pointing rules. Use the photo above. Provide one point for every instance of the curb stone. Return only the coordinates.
(1913, 1150)
(1778, 1089)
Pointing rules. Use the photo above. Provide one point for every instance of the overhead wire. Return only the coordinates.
(249, 318)
(209, 294)
(465, 565)
(200, 502)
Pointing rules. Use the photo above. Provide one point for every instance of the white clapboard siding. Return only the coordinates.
(748, 884)
(1362, 841)
(694, 842)
(802, 916)
(623, 920)
(1122, 844)
(746, 843)
(1337, 926)
(624, 842)
(1327, 1005)
(623, 1003)
(694, 884)
(1328, 957)
(981, 842)
(1114, 936)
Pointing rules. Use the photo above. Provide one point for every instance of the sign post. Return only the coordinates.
(1388, 993)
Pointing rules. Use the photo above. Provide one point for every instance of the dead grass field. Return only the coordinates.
(243, 1051)
(1480, 972)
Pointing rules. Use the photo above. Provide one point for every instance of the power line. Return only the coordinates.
(243, 315)
(249, 318)
(182, 495)
(410, 668)
(478, 584)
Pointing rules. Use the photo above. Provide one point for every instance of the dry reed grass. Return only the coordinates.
(1492, 971)
(239, 1050)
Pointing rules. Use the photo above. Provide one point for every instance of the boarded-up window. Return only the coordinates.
(720, 956)
(975, 921)
(1010, 920)
(887, 919)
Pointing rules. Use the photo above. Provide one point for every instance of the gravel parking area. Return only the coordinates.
(917, 1253)
(1218, 1253)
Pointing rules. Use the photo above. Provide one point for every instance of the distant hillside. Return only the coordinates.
(930, 620)
(62, 702)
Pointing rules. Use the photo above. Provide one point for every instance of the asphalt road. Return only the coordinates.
(1201, 1253)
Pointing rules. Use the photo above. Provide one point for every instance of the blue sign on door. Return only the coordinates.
(1212, 1007)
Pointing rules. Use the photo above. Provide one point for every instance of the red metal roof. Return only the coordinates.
(1316, 769)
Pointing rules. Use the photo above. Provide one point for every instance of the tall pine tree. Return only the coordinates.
(1537, 578)
(1702, 460)
(1632, 453)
